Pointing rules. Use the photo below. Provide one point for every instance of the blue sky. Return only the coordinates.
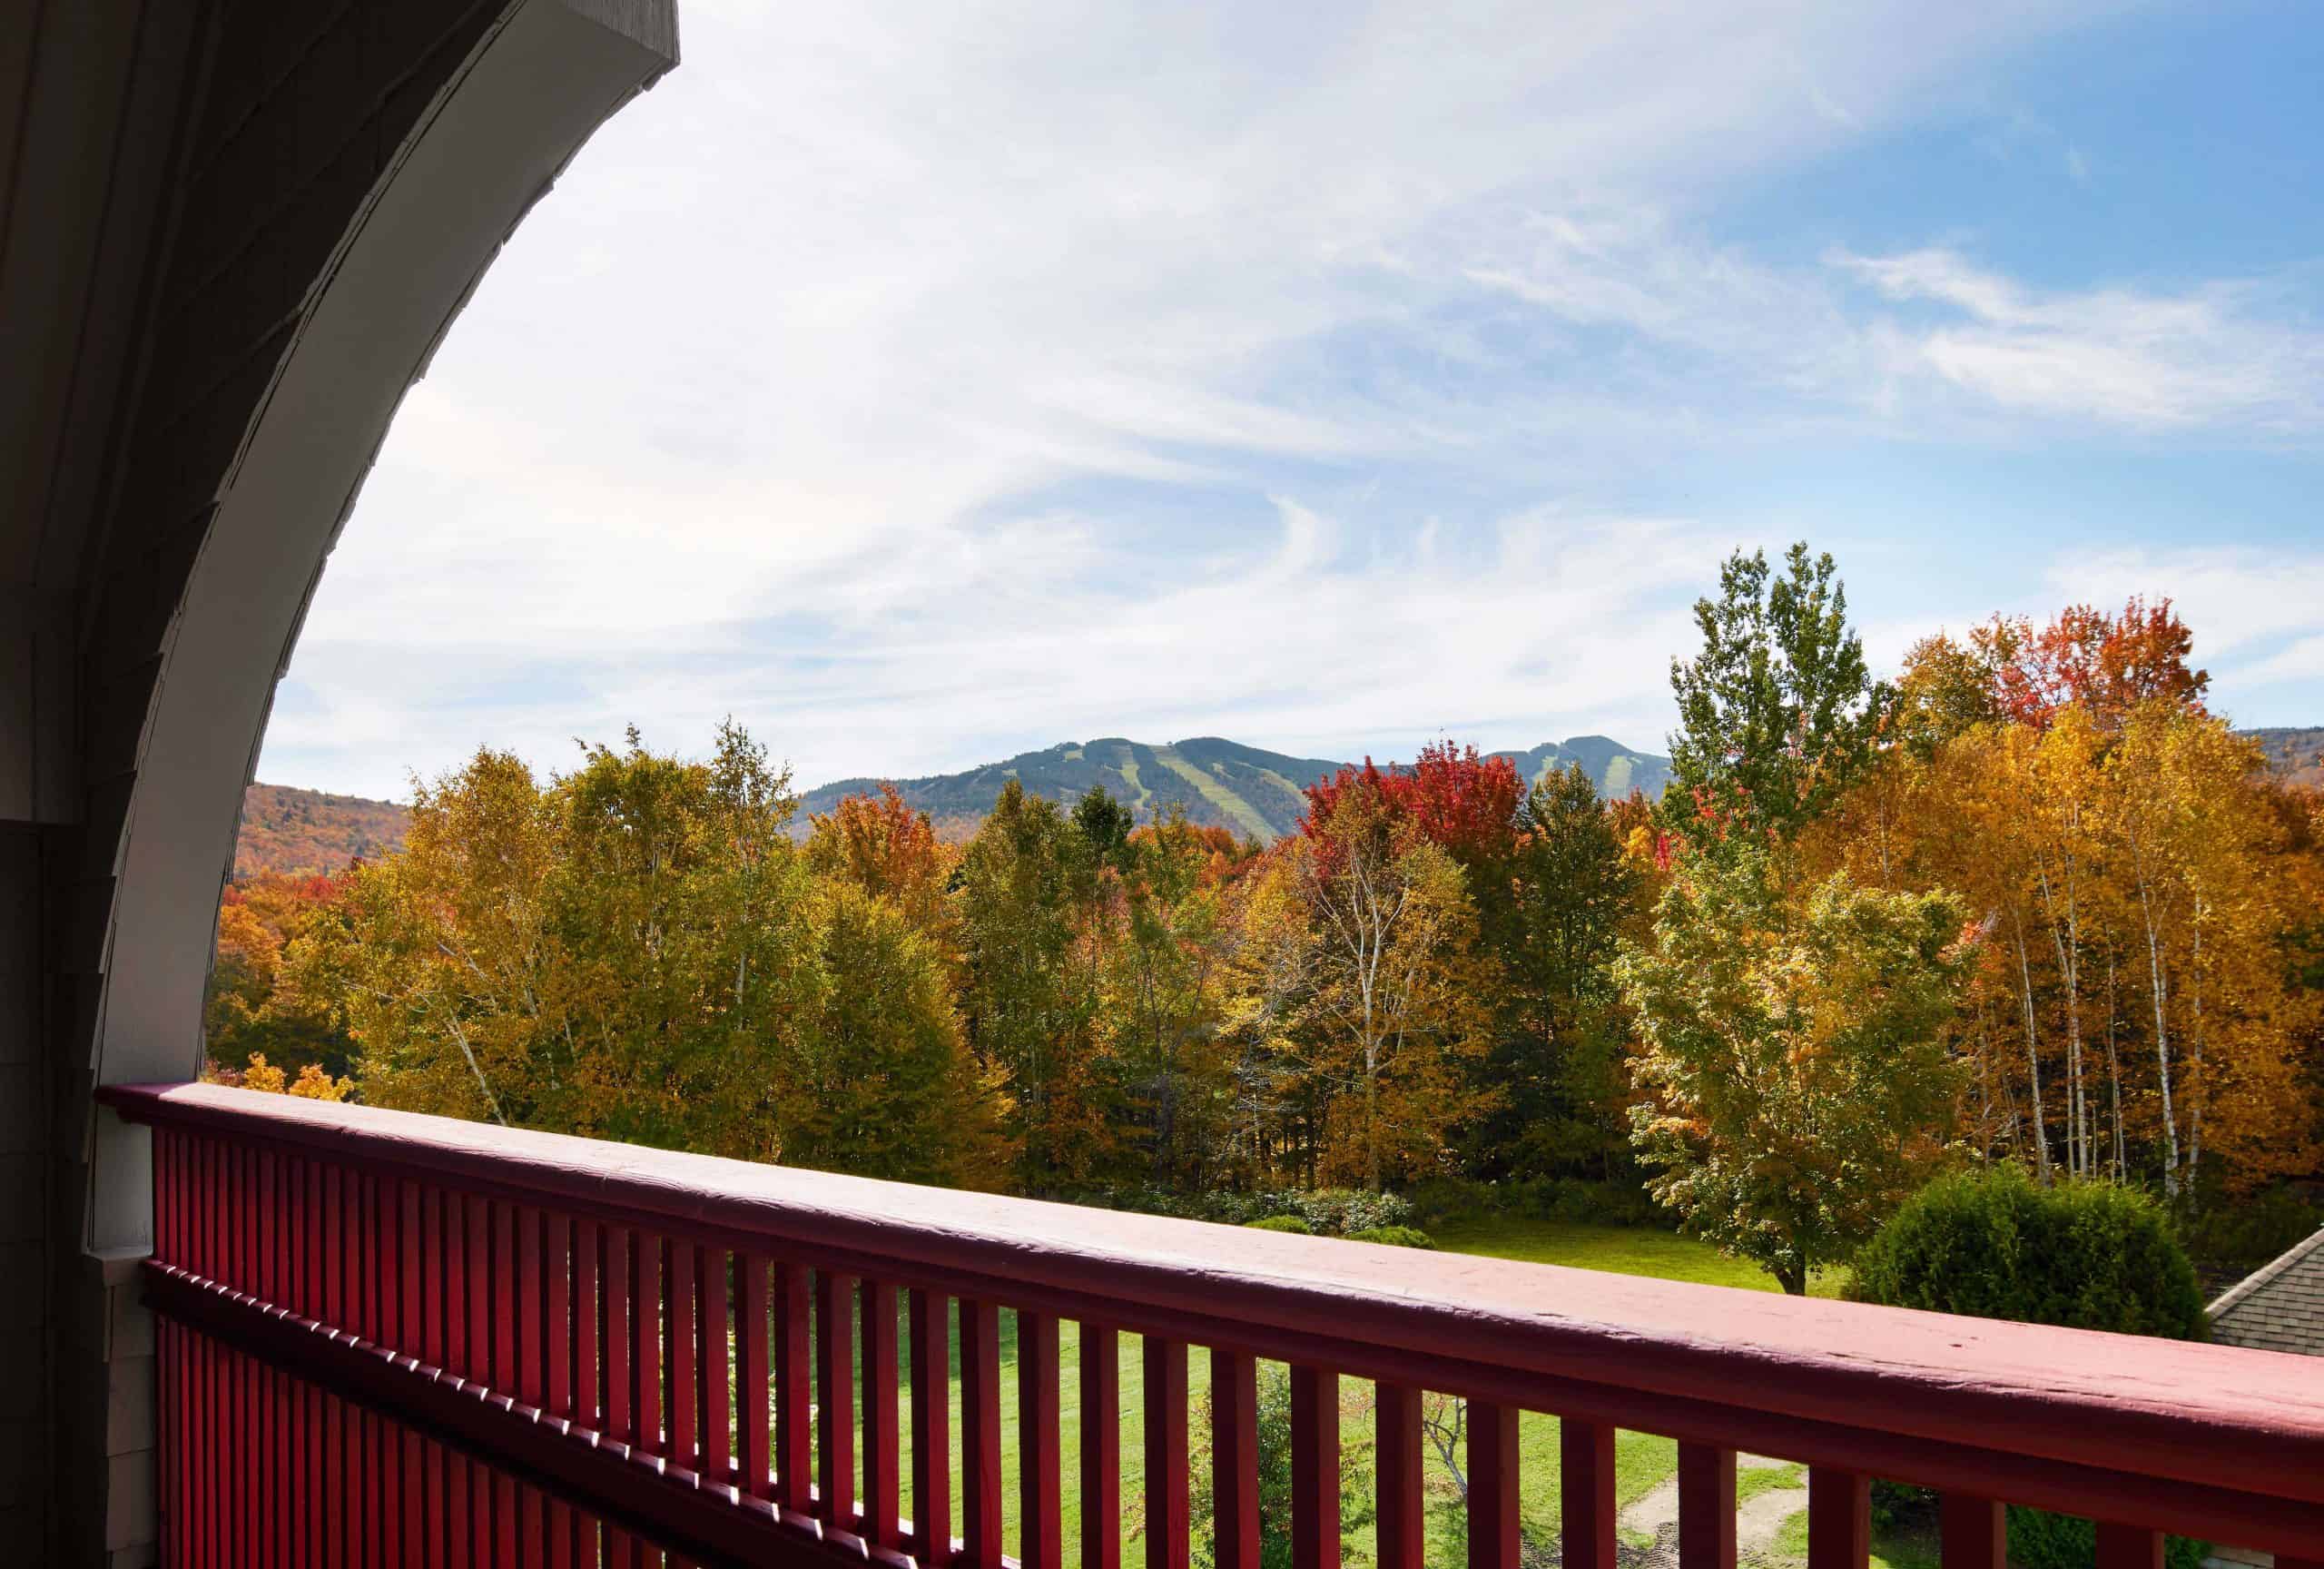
(922, 387)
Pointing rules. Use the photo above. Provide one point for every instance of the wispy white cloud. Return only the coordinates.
(919, 387)
(2213, 355)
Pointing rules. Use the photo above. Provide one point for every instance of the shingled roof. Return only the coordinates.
(2278, 1307)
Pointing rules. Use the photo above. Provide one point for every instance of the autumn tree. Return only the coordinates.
(1778, 712)
(254, 1004)
(2104, 664)
(889, 850)
(639, 951)
(1795, 1053)
(1167, 991)
(1367, 925)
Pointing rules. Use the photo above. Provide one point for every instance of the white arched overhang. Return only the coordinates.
(490, 144)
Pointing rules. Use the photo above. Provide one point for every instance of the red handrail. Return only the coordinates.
(2153, 1435)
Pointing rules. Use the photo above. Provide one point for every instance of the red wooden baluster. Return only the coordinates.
(1165, 1436)
(1397, 1423)
(1839, 1519)
(1315, 1468)
(931, 1430)
(793, 1395)
(717, 1418)
(509, 1280)
(264, 1435)
(1707, 1508)
(459, 1488)
(1040, 1507)
(617, 1289)
(644, 1340)
(1101, 1447)
(558, 1341)
(476, 1233)
(168, 1455)
(1494, 1537)
(433, 1274)
(980, 1432)
(394, 1485)
(413, 1480)
(411, 1474)
(441, 1548)
(586, 1310)
(1974, 1531)
(479, 1271)
(679, 1259)
(510, 1290)
(835, 1396)
(1586, 1459)
(530, 1387)
(261, 1281)
(408, 1337)
(880, 1482)
(588, 1382)
(614, 1288)
(452, 1230)
(251, 1534)
(2129, 1547)
(504, 1515)
(755, 1391)
(373, 1241)
(1235, 1459)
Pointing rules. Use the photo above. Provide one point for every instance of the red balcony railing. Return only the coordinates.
(391, 1339)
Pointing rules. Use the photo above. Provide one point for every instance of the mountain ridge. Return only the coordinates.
(1254, 792)
(1248, 789)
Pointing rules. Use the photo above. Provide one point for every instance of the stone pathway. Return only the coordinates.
(1757, 1519)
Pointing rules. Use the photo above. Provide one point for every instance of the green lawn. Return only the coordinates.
(1622, 1250)
(1642, 1462)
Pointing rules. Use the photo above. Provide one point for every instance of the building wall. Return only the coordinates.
(186, 190)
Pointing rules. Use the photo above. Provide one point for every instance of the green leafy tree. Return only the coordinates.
(1104, 825)
(1028, 883)
(880, 1085)
(1168, 990)
(1274, 1419)
(1796, 1056)
(1778, 712)
(1556, 1057)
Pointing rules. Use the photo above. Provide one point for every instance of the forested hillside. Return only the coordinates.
(2296, 757)
(296, 833)
(1252, 793)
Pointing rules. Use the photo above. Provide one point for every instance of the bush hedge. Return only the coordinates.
(2038, 1540)
(1442, 1200)
(1993, 1245)
(1328, 1211)
(1395, 1236)
(2089, 1256)
(1296, 1224)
